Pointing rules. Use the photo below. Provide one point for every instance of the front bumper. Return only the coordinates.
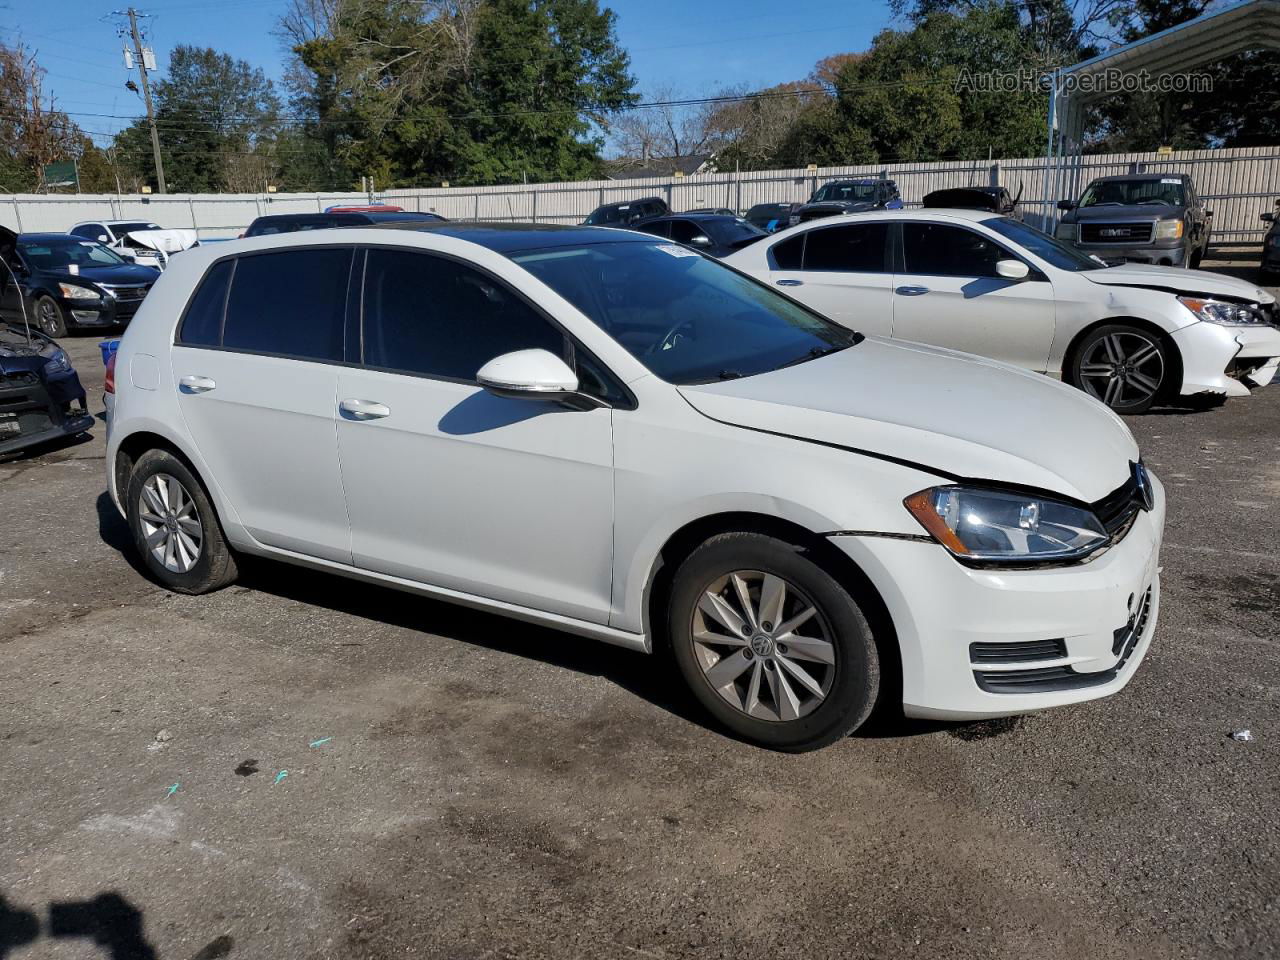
(993, 643)
(106, 311)
(1226, 361)
(33, 412)
(1177, 256)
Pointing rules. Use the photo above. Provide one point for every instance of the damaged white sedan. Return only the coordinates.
(141, 241)
(1130, 335)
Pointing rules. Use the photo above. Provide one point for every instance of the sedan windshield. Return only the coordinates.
(56, 253)
(846, 192)
(1043, 246)
(122, 228)
(1113, 193)
(687, 318)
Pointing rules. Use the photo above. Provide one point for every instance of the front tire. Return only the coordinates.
(50, 318)
(175, 527)
(771, 644)
(1126, 367)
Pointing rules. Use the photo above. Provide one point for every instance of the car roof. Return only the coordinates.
(49, 236)
(915, 213)
(512, 237)
(1142, 176)
(694, 215)
(859, 180)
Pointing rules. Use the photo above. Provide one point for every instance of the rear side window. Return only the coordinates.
(789, 254)
(439, 318)
(856, 248)
(202, 323)
(291, 303)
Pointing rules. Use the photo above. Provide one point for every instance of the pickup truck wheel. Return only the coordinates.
(1125, 367)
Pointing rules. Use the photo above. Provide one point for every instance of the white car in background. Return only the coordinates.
(611, 435)
(141, 241)
(985, 284)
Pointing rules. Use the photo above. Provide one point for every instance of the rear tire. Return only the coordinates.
(50, 318)
(1126, 367)
(771, 644)
(175, 527)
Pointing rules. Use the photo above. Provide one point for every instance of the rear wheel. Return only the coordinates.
(50, 318)
(175, 527)
(771, 644)
(1126, 367)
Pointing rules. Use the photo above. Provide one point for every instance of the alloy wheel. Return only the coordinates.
(763, 646)
(170, 523)
(49, 319)
(1123, 369)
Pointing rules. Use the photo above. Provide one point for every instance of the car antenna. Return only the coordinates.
(22, 301)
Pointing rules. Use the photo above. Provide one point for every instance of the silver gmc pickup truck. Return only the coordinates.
(1144, 218)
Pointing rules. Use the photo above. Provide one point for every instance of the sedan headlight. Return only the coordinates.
(1068, 232)
(58, 363)
(1219, 311)
(995, 526)
(1169, 229)
(73, 292)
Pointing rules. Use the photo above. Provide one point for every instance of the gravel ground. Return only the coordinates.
(301, 766)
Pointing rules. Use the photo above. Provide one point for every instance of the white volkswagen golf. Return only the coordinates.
(1130, 336)
(605, 433)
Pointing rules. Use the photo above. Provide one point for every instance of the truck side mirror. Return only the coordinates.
(1066, 204)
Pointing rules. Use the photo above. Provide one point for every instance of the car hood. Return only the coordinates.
(1135, 211)
(122, 273)
(845, 206)
(168, 241)
(22, 351)
(952, 414)
(1178, 280)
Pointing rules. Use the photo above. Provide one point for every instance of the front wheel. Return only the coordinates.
(50, 318)
(771, 644)
(1126, 367)
(175, 527)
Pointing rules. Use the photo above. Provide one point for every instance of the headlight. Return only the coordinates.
(1219, 311)
(995, 526)
(1168, 229)
(1068, 232)
(1274, 240)
(58, 363)
(73, 292)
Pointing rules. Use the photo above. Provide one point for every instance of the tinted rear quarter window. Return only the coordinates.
(202, 323)
(290, 303)
(789, 254)
(430, 315)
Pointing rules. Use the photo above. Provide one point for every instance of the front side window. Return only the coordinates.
(1045, 247)
(686, 231)
(941, 250)
(436, 317)
(659, 228)
(290, 303)
(855, 248)
(687, 318)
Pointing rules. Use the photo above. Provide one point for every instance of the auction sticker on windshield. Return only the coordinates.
(675, 251)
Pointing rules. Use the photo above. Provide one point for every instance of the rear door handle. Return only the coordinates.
(364, 409)
(912, 291)
(789, 283)
(196, 384)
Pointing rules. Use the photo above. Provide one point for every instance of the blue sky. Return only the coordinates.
(694, 48)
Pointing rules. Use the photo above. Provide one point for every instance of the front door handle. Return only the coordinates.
(196, 384)
(789, 283)
(364, 409)
(912, 291)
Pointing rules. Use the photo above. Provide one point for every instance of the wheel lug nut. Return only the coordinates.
(782, 648)
(768, 664)
(767, 625)
(747, 653)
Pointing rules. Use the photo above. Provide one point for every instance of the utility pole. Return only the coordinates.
(140, 56)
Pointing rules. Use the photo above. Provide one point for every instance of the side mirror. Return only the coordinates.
(1268, 217)
(1066, 204)
(529, 375)
(103, 238)
(1012, 269)
(701, 240)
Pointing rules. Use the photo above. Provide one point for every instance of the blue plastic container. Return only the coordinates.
(108, 347)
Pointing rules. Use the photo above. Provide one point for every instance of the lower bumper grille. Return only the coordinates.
(1017, 652)
(1050, 679)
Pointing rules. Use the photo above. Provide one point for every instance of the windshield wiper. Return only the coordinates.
(728, 375)
(815, 353)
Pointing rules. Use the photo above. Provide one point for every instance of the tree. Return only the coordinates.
(668, 129)
(217, 120)
(33, 132)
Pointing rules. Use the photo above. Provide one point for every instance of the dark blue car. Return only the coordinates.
(41, 397)
(58, 282)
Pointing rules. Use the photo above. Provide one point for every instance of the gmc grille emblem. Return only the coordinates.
(1113, 232)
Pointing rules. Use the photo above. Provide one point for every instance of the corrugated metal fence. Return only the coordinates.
(1239, 184)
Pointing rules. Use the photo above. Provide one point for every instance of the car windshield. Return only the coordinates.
(122, 228)
(733, 233)
(1166, 191)
(847, 192)
(56, 253)
(688, 318)
(1043, 246)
